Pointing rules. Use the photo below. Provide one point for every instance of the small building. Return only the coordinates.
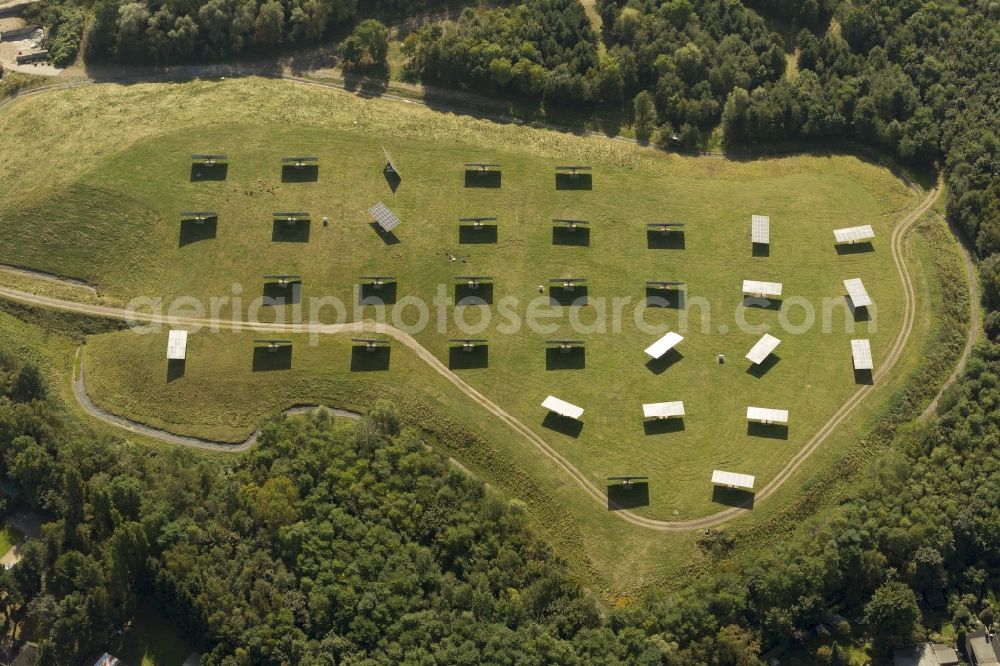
(28, 656)
(108, 660)
(927, 654)
(983, 648)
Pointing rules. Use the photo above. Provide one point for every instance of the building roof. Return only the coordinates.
(927, 654)
(28, 656)
(983, 649)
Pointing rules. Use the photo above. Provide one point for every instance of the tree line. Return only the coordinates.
(165, 32)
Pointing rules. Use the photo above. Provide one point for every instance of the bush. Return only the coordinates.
(63, 39)
(992, 326)
(368, 45)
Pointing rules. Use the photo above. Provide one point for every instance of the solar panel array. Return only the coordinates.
(760, 234)
(767, 415)
(856, 290)
(663, 410)
(854, 234)
(764, 346)
(561, 407)
(663, 345)
(762, 288)
(760, 229)
(732, 479)
(177, 345)
(384, 217)
(861, 351)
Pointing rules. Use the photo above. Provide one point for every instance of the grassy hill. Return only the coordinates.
(103, 206)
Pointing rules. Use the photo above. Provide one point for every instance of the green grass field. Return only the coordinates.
(9, 537)
(106, 211)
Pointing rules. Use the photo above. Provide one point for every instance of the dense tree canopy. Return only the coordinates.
(538, 48)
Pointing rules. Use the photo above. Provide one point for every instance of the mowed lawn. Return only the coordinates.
(107, 211)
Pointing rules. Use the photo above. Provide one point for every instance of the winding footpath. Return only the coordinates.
(974, 326)
(582, 480)
(88, 406)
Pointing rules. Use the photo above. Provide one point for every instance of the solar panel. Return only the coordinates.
(856, 290)
(758, 288)
(482, 165)
(861, 351)
(854, 234)
(732, 479)
(273, 344)
(573, 168)
(209, 157)
(561, 407)
(763, 348)
(199, 215)
(390, 165)
(565, 344)
(663, 410)
(299, 160)
(370, 343)
(384, 217)
(177, 345)
(767, 415)
(760, 229)
(663, 345)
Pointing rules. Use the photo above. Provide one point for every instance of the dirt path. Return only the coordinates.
(83, 399)
(47, 277)
(974, 326)
(582, 480)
